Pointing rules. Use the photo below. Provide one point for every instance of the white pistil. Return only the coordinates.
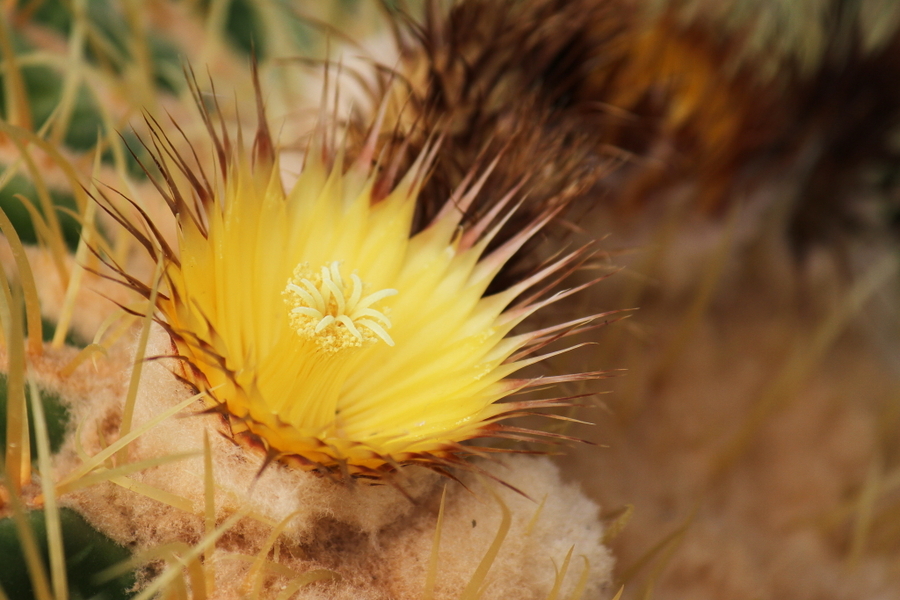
(331, 312)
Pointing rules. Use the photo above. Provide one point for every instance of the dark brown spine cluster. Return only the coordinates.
(571, 89)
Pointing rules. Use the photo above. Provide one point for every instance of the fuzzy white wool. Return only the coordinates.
(377, 540)
(542, 531)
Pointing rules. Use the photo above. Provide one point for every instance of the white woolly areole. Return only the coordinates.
(543, 530)
(377, 540)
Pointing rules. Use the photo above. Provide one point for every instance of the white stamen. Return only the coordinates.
(373, 298)
(368, 312)
(357, 289)
(349, 325)
(302, 293)
(318, 300)
(377, 330)
(333, 311)
(325, 322)
(336, 292)
(336, 274)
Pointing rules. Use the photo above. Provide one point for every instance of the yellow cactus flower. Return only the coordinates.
(323, 330)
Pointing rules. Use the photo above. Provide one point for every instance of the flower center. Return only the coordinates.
(333, 312)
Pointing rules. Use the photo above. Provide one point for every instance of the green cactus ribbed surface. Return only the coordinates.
(87, 553)
(55, 412)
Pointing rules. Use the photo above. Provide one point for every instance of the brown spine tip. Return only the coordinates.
(263, 146)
